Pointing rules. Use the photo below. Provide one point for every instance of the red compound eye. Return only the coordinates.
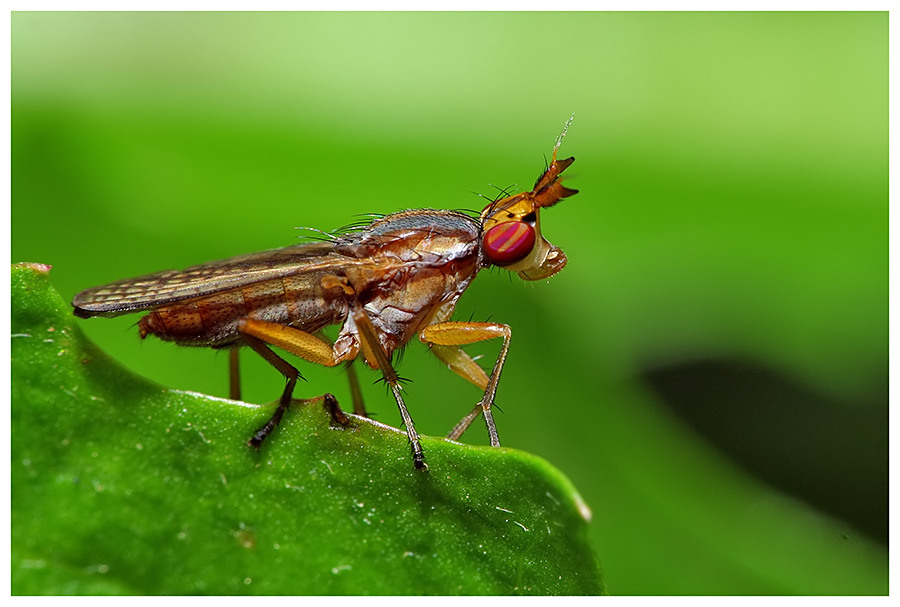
(508, 242)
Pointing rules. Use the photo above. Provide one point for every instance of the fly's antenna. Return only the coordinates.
(559, 137)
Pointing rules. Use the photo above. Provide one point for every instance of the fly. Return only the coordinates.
(392, 280)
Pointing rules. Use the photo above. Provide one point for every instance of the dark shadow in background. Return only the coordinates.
(831, 454)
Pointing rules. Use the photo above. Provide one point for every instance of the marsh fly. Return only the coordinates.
(397, 278)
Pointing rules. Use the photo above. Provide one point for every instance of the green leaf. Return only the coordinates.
(120, 486)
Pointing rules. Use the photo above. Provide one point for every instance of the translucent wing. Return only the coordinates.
(161, 288)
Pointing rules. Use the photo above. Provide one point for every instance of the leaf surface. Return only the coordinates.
(120, 486)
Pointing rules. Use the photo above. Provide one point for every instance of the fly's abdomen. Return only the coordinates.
(212, 320)
(204, 321)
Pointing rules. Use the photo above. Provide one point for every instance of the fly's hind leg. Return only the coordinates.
(234, 374)
(257, 334)
(290, 373)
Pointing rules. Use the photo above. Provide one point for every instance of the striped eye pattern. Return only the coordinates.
(508, 242)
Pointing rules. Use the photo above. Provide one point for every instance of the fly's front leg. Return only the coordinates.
(463, 365)
(257, 334)
(378, 359)
(446, 338)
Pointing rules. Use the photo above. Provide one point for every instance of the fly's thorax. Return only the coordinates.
(419, 236)
(401, 299)
(409, 265)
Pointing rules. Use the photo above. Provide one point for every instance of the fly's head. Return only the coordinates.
(511, 227)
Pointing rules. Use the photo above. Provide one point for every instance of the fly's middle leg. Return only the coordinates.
(378, 359)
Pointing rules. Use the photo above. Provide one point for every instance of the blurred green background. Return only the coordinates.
(711, 367)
